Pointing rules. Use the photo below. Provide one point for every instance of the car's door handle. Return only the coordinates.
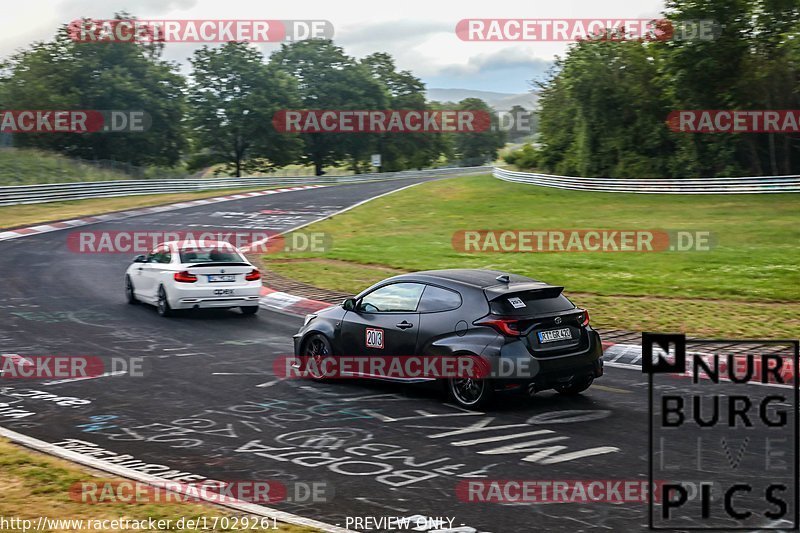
(405, 325)
(140, 268)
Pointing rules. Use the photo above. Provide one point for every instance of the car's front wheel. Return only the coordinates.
(315, 350)
(470, 393)
(129, 294)
(575, 387)
(163, 304)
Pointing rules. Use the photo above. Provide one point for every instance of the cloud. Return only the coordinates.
(107, 9)
(424, 44)
(394, 34)
(505, 59)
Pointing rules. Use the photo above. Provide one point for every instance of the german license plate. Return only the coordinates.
(221, 277)
(554, 335)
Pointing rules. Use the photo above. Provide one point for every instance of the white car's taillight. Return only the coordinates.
(185, 277)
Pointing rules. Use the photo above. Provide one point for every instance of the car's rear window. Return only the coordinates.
(521, 304)
(210, 255)
(437, 299)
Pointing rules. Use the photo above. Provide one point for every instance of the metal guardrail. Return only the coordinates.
(54, 192)
(747, 185)
(32, 194)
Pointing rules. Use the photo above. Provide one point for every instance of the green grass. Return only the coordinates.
(37, 485)
(28, 167)
(755, 259)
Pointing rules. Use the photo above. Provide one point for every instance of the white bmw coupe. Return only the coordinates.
(194, 274)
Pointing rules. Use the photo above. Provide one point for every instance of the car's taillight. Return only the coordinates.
(585, 315)
(185, 277)
(506, 326)
(253, 275)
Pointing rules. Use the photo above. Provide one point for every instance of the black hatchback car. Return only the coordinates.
(530, 335)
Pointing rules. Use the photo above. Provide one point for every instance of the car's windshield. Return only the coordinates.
(210, 255)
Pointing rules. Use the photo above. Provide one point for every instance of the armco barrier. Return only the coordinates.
(54, 192)
(31, 194)
(749, 185)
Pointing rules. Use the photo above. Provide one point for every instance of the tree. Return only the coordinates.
(524, 158)
(329, 79)
(233, 97)
(604, 107)
(520, 116)
(477, 148)
(401, 151)
(703, 74)
(62, 74)
(603, 113)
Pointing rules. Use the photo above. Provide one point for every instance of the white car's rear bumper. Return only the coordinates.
(187, 297)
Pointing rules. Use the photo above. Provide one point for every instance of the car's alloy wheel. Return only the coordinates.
(163, 305)
(129, 291)
(470, 393)
(577, 387)
(317, 348)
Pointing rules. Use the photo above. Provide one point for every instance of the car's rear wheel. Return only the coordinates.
(163, 304)
(315, 350)
(249, 310)
(129, 294)
(575, 387)
(470, 393)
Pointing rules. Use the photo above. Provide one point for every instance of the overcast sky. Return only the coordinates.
(419, 34)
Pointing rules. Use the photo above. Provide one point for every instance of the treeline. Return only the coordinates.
(222, 112)
(604, 108)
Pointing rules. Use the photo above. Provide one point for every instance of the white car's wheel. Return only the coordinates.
(163, 304)
(129, 294)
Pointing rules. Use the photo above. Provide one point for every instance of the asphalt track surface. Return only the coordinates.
(210, 403)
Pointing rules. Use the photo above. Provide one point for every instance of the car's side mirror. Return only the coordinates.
(140, 259)
(349, 304)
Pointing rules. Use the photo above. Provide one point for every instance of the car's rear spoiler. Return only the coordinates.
(535, 290)
(221, 264)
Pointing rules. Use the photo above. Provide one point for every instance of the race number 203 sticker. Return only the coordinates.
(374, 338)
